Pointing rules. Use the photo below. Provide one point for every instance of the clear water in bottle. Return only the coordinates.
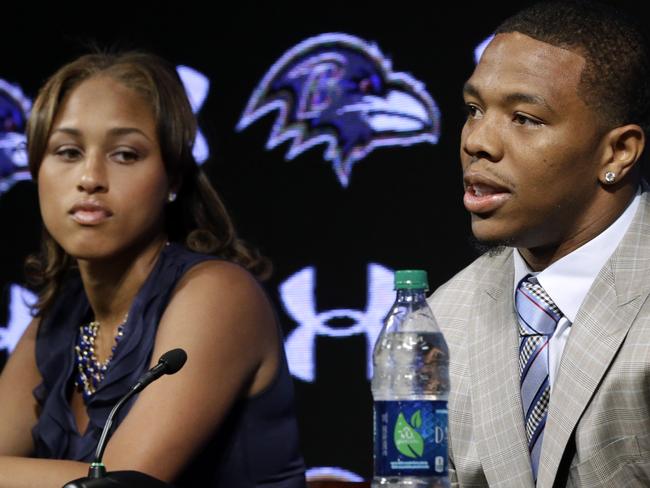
(410, 386)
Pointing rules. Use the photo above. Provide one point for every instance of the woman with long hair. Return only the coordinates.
(139, 256)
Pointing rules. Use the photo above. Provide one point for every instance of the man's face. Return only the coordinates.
(530, 148)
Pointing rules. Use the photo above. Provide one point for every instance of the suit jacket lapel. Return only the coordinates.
(496, 402)
(600, 328)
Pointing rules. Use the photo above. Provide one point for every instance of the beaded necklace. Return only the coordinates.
(90, 372)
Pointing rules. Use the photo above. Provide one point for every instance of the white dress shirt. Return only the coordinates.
(568, 280)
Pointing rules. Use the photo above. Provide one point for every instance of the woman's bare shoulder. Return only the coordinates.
(216, 298)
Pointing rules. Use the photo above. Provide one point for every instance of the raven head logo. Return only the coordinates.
(339, 90)
(14, 110)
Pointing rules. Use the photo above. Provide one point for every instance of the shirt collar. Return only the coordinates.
(568, 280)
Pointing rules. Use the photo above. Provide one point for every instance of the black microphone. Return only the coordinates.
(169, 363)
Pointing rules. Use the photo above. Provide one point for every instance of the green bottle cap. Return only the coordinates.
(411, 279)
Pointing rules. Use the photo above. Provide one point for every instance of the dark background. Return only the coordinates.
(402, 208)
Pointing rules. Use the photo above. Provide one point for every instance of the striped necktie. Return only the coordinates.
(538, 317)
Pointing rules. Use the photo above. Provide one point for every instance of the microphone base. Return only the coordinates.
(119, 479)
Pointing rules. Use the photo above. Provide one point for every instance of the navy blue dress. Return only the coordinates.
(257, 444)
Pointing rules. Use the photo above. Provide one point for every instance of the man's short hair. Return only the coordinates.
(616, 79)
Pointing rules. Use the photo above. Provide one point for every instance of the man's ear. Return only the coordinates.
(623, 148)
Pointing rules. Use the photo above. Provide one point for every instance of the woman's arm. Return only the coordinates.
(223, 320)
(21, 472)
(18, 406)
(18, 414)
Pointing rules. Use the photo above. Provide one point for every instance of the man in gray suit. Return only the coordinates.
(558, 108)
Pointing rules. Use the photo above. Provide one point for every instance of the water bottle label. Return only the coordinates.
(410, 438)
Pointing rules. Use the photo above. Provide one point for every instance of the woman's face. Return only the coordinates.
(102, 183)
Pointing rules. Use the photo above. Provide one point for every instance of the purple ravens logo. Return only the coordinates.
(14, 110)
(339, 90)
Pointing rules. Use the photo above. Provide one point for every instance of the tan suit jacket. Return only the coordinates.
(598, 427)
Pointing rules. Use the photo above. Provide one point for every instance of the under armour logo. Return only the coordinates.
(20, 300)
(197, 86)
(299, 300)
(478, 52)
(327, 473)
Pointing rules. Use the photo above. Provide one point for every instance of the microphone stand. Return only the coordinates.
(169, 363)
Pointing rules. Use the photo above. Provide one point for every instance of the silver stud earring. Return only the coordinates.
(171, 197)
(610, 177)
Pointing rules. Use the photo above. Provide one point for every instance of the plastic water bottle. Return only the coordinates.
(410, 387)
